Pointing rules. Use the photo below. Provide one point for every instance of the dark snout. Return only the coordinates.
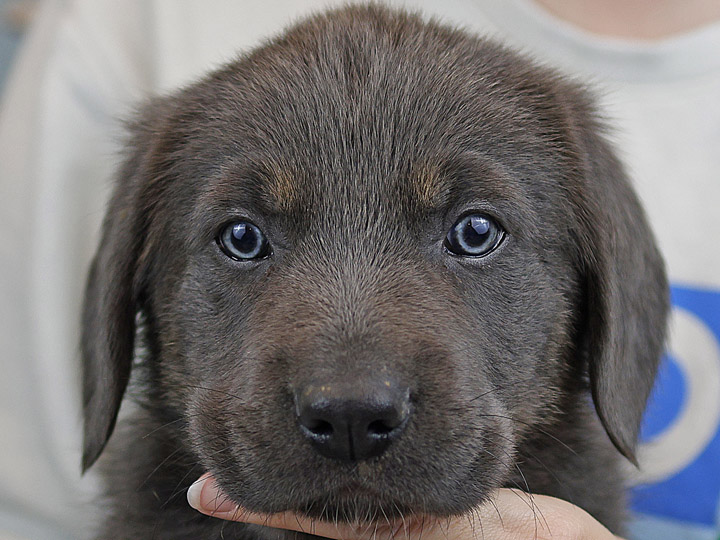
(352, 420)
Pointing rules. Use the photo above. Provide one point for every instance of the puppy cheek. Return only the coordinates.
(208, 434)
(499, 445)
(497, 433)
(466, 417)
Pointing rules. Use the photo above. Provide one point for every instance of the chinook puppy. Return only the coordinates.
(376, 267)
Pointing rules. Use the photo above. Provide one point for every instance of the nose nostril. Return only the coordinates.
(379, 428)
(321, 428)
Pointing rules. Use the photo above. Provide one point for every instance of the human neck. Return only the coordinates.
(635, 19)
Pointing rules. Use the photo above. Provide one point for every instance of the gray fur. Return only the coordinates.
(354, 141)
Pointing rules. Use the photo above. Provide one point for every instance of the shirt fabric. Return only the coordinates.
(87, 63)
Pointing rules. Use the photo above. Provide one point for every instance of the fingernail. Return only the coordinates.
(193, 493)
(205, 496)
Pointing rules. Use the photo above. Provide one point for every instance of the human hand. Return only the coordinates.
(510, 515)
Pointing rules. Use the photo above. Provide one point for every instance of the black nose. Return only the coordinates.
(352, 422)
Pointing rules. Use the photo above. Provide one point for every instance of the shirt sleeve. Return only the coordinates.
(84, 64)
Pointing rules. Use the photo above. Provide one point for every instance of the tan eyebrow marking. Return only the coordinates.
(282, 185)
(429, 185)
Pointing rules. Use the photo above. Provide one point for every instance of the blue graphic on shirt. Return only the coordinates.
(692, 492)
(666, 401)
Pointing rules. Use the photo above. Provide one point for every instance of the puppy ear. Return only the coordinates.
(627, 295)
(111, 299)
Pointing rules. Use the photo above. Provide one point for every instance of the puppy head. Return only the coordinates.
(371, 256)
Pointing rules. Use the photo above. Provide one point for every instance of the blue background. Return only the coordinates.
(692, 494)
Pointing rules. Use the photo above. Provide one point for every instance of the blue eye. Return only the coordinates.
(474, 235)
(243, 241)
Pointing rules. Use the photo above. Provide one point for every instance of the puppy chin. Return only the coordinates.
(356, 506)
(349, 499)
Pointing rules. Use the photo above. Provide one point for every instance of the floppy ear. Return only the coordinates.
(111, 299)
(627, 295)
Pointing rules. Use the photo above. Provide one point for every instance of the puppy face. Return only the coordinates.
(371, 257)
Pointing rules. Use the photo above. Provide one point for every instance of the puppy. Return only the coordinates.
(378, 267)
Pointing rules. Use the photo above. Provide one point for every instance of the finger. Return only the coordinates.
(509, 515)
(519, 515)
(205, 496)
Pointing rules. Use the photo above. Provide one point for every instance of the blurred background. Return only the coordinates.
(88, 62)
(15, 16)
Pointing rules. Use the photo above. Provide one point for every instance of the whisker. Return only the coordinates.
(168, 424)
(217, 390)
(534, 427)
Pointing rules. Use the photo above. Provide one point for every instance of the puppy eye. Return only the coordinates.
(243, 241)
(474, 235)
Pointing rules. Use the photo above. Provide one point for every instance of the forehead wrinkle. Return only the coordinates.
(267, 185)
(490, 184)
(225, 196)
(474, 181)
(438, 183)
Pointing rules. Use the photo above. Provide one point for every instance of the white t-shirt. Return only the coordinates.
(87, 62)
(664, 100)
